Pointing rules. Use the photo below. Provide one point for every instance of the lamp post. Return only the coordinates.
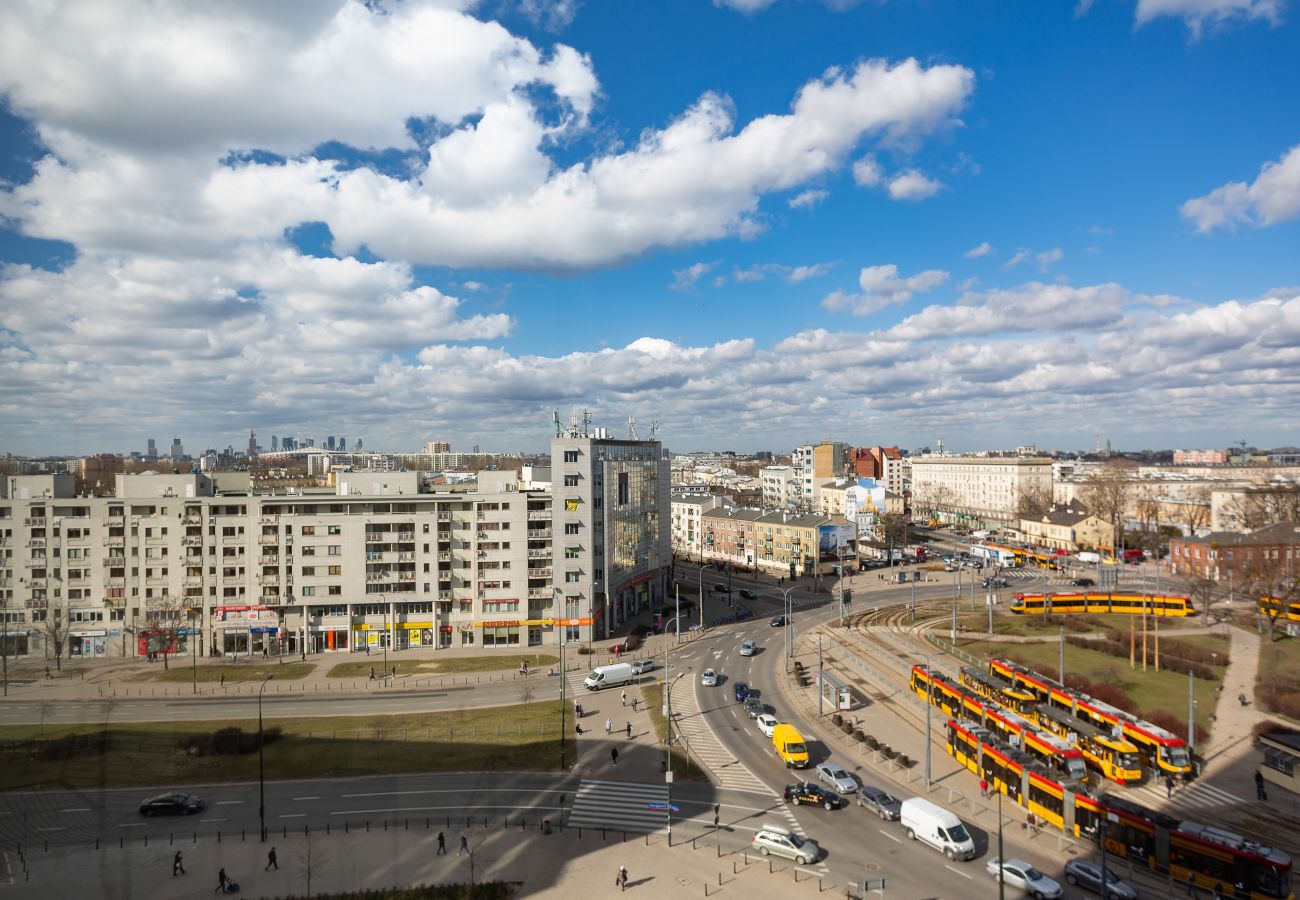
(564, 676)
(785, 603)
(929, 702)
(1002, 858)
(261, 763)
(668, 750)
(194, 657)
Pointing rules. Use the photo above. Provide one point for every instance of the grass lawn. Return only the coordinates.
(472, 740)
(180, 672)
(652, 695)
(1150, 690)
(451, 665)
(1278, 688)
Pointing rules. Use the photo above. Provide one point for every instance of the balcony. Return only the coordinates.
(114, 540)
(39, 562)
(192, 541)
(539, 534)
(36, 544)
(113, 562)
(193, 581)
(37, 584)
(192, 520)
(374, 577)
(34, 522)
(79, 540)
(114, 582)
(268, 579)
(377, 537)
(268, 560)
(115, 521)
(268, 520)
(271, 599)
(539, 554)
(265, 539)
(444, 556)
(157, 580)
(540, 573)
(540, 593)
(540, 515)
(444, 517)
(406, 557)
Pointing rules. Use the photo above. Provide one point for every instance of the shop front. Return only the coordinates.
(87, 644)
(413, 635)
(327, 638)
(14, 643)
(243, 630)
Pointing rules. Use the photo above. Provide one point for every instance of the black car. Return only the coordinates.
(997, 582)
(177, 804)
(755, 707)
(811, 794)
(882, 804)
(777, 621)
(743, 613)
(721, 589)
(1083, 582)
(747, 594)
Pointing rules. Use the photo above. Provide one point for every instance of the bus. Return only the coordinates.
(1168, 605)
(1001, 556)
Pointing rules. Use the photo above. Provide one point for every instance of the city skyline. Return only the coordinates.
(758, 222)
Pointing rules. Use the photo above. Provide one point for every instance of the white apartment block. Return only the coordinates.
(976, 489)
(687, 513)
(376, 564)
(779, 486)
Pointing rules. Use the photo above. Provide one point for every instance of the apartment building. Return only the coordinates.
(611, 520)
(173, 559)
(687, 530)
(780, 543)
(780, 486)
(977, 490)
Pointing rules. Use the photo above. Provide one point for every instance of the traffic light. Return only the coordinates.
(846, 596)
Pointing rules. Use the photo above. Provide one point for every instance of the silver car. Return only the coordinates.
(836, 778)
(747, 648)
(1019, 874)
(1087, 875)
(641, 666)
(778, 841)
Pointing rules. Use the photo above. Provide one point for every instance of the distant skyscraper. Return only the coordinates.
(152, 452)
(252, 443)
(275, 443)
(343, 445)
(329, 442)
(358, 444)
(311, 442)
(433, 447)
(177, 450)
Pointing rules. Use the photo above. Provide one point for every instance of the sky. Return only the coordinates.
(757, 223)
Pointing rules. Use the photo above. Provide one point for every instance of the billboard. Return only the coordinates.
(835, 541)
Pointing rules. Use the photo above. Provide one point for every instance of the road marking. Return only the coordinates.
(212, 820)
(229, 802)
(306, 798)
(292, 816)
(76, 809)
(958, 871)
(131, 825)
(893, 837)
(52, 829)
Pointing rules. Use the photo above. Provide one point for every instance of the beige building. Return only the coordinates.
(977, 490)
(687, 528)
(1067, 529)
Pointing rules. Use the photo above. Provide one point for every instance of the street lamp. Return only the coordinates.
(785, 603)
(929, 702)
(668, 750)
(261, 763)
(564, 677)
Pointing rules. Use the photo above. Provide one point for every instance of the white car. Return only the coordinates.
(836, 778)
(709, 678)
(641, 666)
(747, 648)
(1020, 874)
(767, 723)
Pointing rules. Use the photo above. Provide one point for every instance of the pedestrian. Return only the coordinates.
(621, 878)
(367, 649)
(1169, 786)
(609, 727)
(442, 845)
(394, 671)
(464, 845)
(578, 725)
(634, 699)
(613, 755)
(523, 668)
(624, 698)
(177, 867)
(222, 680)
(372, 673)
(984, 788)
(1218, 890)
(577, 708)
(1241, 698)
(222, 881)
(271, 861)
(1260, 794)
(1191, 883)
(629, 731)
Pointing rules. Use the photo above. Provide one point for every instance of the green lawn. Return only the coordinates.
(211, 674)
(1278, 687)
(496, 738)
(450, 665)
(1150, 690)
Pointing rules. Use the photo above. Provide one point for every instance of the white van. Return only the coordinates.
(934, 825)
(1088, 556)
(608, 676)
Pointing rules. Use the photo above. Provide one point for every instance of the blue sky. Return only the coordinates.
(761, 223)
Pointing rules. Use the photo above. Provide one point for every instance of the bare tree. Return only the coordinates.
(56, 628)
(1266, 576)
(1202, 589)
(526, 694)
(1033, 503)
(164, 620)
(1195, 509)
(1106, 494)
(1259, 507)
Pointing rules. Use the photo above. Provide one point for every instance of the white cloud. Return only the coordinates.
(867, 172)
(913, 185)
(976, 252)
(791, 274)
(1031, 307)
(881, 287)
(803, 273)
(1020, 256)
(745, 6)
(807, 199)
(1196, 13)
(686, 279)
(1048, 258)
(553, 15)
(1273, 197)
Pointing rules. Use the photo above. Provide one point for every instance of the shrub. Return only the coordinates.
(228, 741)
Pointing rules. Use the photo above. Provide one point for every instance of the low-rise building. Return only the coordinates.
(1071, 529)
(1260, 558)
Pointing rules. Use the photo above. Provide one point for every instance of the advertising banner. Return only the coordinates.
(836, 541)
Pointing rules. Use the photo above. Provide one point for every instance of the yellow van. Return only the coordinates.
(790, 746)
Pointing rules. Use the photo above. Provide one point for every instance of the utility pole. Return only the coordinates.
(821, 683)
(1061, 669)
(564, 675)
(1191, 717)
(929, 703)
(1002, 858)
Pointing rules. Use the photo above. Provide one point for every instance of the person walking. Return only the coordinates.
(442, 845)
(1260, 793)
(1169, 786)
(271, 861)
(624, 698)
(629, 731)
(634, 699)
(222, 680)
(464, 846)
(613, 755)
(222, 881)
(984, 788)
(1191, 884)
(621, 878)
(609, 726)
(372, 673)
(177, 867)
(578, 726)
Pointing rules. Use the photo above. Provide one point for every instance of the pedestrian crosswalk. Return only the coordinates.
(698, 738)
(620, 806)
(1198, 795)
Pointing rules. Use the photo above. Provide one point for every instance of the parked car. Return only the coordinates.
(777, 621)
(767, 724)
(755, 707)
(835, 777)
(747, 594)
(778, 841)
(1087, 875)
(641, 666)
(742, 691)
(1019, 874)
(882, 804)
(1083, 582)
(175, 804)
(709, 678)
(747, 648)
(805, 792)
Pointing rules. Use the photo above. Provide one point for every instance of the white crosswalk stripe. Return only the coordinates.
(1196, 796)
(704, 746)
(620, 806)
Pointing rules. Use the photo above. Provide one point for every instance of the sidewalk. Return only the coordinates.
(555, 866)
(640, 758)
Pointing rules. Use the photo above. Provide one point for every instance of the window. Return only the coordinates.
(308, 551)
(308, 591)
(571, 527)
(334, 529)
(309, 570)
(309, 529)
(334, 550)
(571, 552)
(622, 489)
(572, 505)
(336, 570)
(570, 480)
(573, 577)
(335, 590)
(571, 456)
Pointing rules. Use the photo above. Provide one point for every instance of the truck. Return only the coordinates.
(603, 677)
(790, 746)
(1087, 556)
(932, 824)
